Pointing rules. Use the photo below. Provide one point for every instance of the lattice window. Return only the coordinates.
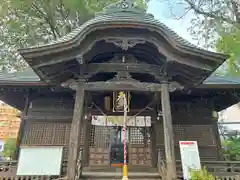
(81, 140)
(179, 134)
(67, 133)
(47, 137)
(59, 131)
(47, 134)
(139, 135)
(99, 137)
(202, 133)
(33, 134)
(91, 138)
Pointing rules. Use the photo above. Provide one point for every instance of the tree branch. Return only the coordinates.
(236, 10)
(48, 17)
(200, 11)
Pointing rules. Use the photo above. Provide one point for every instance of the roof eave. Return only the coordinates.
(218, 86)
(32, 51)
(23, 83)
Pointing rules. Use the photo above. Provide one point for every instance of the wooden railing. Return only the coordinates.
(161, 165)
(79, 166)
(223, 170)
(8, 170)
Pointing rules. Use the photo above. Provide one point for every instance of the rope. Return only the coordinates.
(147, 106)
(142, 109)
(99, 109)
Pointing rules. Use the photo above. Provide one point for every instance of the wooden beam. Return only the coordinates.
(228, 123)
(95, 68)
(121, 85)
(129, 67)
(76, 128)
(168, 133)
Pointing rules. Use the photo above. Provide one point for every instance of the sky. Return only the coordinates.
(162, 12)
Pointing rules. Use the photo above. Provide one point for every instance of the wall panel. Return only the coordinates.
(192, 122)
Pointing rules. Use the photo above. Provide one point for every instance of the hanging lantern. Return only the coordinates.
(215, 115)
(107, 103)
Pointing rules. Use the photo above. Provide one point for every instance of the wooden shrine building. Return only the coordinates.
(68, 100)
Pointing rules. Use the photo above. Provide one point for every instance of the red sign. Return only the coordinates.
(187, 142)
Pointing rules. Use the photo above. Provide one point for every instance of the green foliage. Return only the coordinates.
(10, 148)
(231, 148)
(214, 25)
(201, 175)
(25, 23)
(230, 43)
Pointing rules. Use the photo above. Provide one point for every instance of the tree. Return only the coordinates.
(231, 147)
(230, 43)
(10, 148)
(28, 22)
(214, 22)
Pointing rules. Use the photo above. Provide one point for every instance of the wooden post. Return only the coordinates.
(76, 128)
(217, 138)
(168, 133)
(87, 131)
(22, 125)
(154, 138)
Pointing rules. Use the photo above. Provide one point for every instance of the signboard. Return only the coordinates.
(1, 146)
(189, 157)
(138, 121)
(39, 161)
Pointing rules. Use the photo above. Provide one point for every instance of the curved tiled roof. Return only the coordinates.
(28, 75)
(114, 14)
(214, 79)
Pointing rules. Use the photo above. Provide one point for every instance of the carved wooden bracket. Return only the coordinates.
(124, 43)
(79, 59)
(122, 76)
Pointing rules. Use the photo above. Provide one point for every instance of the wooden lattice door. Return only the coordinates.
(140, 146)
(99, 146)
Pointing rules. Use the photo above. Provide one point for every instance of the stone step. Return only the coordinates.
(118, 169)
(113, 173)
(118, 175)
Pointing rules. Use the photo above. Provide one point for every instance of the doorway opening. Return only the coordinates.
(117, 146)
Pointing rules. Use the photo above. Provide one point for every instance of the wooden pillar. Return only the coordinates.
(75, 133)
(217, 138)
(86, 136)
(154, 138)
(168, 133)
(22, 124)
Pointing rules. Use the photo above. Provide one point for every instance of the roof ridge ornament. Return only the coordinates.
(123, 6)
